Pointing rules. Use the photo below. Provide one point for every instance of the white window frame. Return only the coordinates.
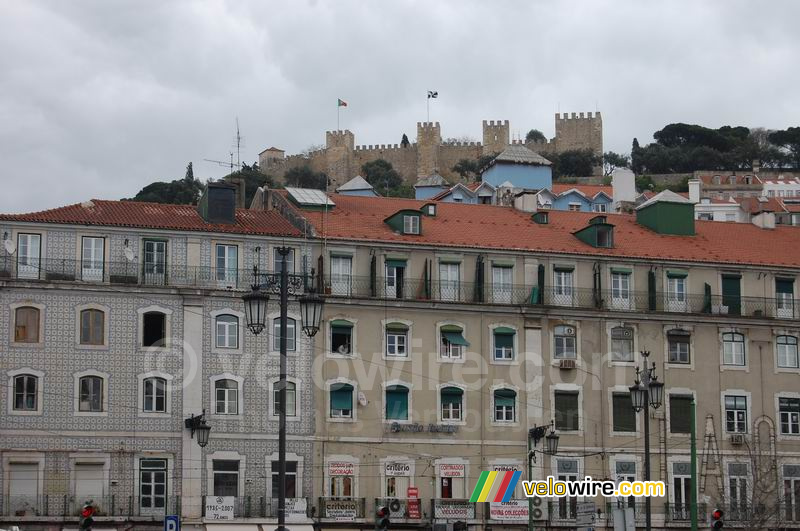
(23, 458)
(620, 389)
(77, 393)
(353, 413)
(94, 275)
(451, 461)
(502, 291)
(39, 375)
(168, 397)
(13, 317)
(516, 407)
(576, 338)
(677, 301)
(290, 456)
(410, 224)
(450, 358)
(341, 282)
(624, 299)
(730, 366)
(36, 267)
(292, 262)
(514, 359)
(677, 391)
(226, 456)
(779, 428)
(329, 352)
(461, 421)
(399, 459)
(137, 458)
(385, 345)
(298, 388)
(748, 421)
(213, 396)
(447, 284)
(240, 331)
(787, 368)
(634, 343)
(563, 287)
(569, 388)
(340, 458)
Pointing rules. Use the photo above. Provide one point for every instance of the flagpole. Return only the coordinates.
(429, 107)
(338, 111)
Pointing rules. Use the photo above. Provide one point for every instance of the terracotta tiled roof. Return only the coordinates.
(589, 190)
(753, 205)
(158, 216)
(496, 227)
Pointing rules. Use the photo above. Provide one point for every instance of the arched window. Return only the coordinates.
(155, 395)
(26, 387)
(26, 324)
(733, 349)
(452, 403)
(92, 327)
(504, 405)
(291, 399)
(787, 352)
(397, 402)
(91, 394)
(227, 397)
(227, 327)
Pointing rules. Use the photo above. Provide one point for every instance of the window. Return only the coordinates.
(676, 292)
(341, 400)
(567, 413)
(449, 277)
(784, 293)
(599, 207)
(502, 284)
(155, 262)
(397, 402)
(621, 290)
(451, 342)
(736, 414)
(730, 216)
(791, 492)
(564, 342)
(227, 263)
(410, 224)
(26, 324)
(787, 352)
(341, 274)
(291, 479)
(737, 490)
(622, 343)
(562, 287)
(395, 278)
(625, 471)
(733, 349)
(789, 409)
(341, 337)
(680, 414)
(154, 329)
(504, 343)
(92, 327)
(574, 207)
(452, 403)
(341, 484)
(227, 331)
(92, 258)
(681, 490)
(278, 259)
(624, 415)
(155, 395)
(291, 399)
(291, 334)
(504, 410)
(29, 250)
(152, 484)
(226, 477)
(226, 394)
(91, 394)
(605, 236)
(678, 342)
(26, 392)
(397, 340)
(567, 470)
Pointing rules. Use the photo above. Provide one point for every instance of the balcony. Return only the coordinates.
(55, 506)
(680, 513)
(452, 509)
(127, 274)
(342, 509)
(261, 507)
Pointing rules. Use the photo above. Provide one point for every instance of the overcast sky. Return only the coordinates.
(99, 98)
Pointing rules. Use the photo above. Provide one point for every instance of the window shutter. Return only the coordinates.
(451, 395)
(502, 340)
(396, 402)
(624, 417)
(680, 414)
(784, 285)
(651, 290)
(341, 396)
(504, 397)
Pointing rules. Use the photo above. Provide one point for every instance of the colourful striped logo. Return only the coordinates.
(495, 486)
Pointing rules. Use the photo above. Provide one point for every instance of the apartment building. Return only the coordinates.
(450, 331)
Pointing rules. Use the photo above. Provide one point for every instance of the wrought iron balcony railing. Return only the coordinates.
(148, 507)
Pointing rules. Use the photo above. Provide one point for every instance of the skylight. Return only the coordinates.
(309, 197)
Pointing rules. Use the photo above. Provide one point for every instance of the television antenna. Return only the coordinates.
(224, 164)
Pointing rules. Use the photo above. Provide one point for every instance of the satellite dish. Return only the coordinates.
(10, 246)
(362, 399)
(129, 254)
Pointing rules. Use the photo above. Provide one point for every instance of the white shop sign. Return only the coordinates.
(397, 469)
(451, 470)
(512, 511)
(340, 468)
(219, 507)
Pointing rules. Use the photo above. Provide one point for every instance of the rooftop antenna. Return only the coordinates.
(239, 143)
(223, 163)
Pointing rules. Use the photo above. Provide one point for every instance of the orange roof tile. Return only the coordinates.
(158, 216)
(496, 227)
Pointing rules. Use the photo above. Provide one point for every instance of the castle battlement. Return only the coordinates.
(381, 147)
(495, 123)
(428, 125)
(462, 144)
(578, 116)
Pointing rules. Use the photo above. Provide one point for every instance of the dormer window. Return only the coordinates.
(410, 224)
(429, 209)
(605, 236)
(732, 179)
(542, 218)
(597, 219)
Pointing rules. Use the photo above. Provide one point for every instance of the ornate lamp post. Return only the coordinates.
(255, 307)
(198, 425)
(646, 392)
(536, 434)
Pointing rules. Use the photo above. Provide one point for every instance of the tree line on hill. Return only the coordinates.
(678, 148)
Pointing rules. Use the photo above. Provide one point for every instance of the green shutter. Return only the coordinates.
(451, 395)
(563, 267)
(395, 262)
(651, 290)
(505, 330)
(341, 396)
(342, 323)
(450, 328)
(504, 397)
(455, 338)
(622, 270)
(503, 340)
(398, 327)
(677, 273)
(624, 418)
(397, 402)
(784, 285)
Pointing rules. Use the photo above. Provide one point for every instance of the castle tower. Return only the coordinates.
(579, 132)
(496, 136)
(339, 147)
(429, 137)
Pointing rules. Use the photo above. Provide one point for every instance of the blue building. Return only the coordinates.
(429, 187)
(357, 186)
(521, 167)
(578, 198)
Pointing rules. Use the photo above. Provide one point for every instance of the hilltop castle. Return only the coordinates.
(341, 159)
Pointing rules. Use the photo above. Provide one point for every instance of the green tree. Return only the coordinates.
(484, 161)
(178, 192)
(636, 157)
(612, 161)
(381, 175)
(534, 135)
(253, 179)
(305, 177)
(189, 173)
(404, 141)
(789, 141)
(574, 163)
(466, 168)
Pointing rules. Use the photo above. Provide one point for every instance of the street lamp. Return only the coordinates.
(536, 434)
(198, 425)
(646, 392)
(255, 309)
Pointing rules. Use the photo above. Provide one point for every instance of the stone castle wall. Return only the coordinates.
(341, 159)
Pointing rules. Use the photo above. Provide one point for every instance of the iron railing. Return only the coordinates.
(155, 507)
(682, 512)
(262, 507)
(452, 509)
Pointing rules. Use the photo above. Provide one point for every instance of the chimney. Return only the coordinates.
(218, 203)
(623, 183)
(694, 190)
(527, 201)
(764, 220)
(756, 165)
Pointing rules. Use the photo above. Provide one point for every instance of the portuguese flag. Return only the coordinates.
(341, 103)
